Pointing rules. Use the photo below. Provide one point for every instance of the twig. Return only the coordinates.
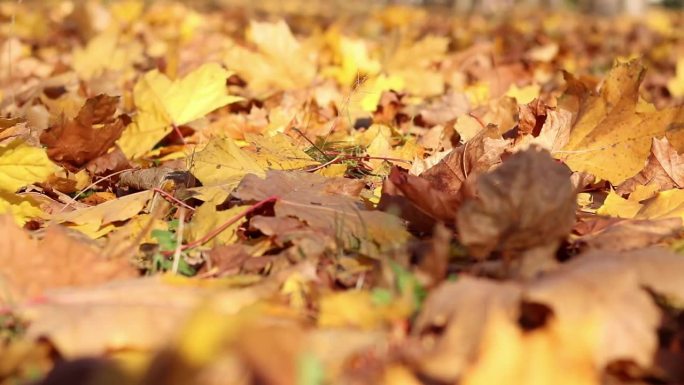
(73, 200)
(326, 164)
(179, 241)
(173, 198)
(179, 133)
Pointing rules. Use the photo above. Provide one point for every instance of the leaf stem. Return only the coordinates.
(213, 233)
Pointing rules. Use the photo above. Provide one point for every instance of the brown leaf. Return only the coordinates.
(330, 204)
(526, 203)
(664, 168)
(30, 266)
(75, 142)
(621, 235)
(532, 117)
(437, 192)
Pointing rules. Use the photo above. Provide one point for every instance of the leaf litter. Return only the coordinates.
(386, 196)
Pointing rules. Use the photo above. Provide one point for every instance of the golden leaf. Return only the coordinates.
(611, 137)
(21, 165)
(162, 103)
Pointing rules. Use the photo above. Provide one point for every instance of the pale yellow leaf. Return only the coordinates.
(207, 218)
(162, 103)
(617, 206)
(21, 165)
(21, 208)
(105, 213)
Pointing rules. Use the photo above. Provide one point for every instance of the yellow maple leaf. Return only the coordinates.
(611, 137)
(103, 52)
(354, 59)
(21, 208)
(21, 165)
(163, 102)
(279, 62)
(277, 152)
(371, 91)
(220, 166)
(667, 204)
(523, 95)
(206, 218)
(617, 206)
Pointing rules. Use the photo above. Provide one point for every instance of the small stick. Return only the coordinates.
(179, 241)
(213, 233)
(104, 178)
(179, 133)
(173, 198)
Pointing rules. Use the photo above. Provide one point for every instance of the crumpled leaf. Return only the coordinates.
(31, 266)
(664, 169)
(438, 192)
(611, 136)
(75, 142)
(526, 203)
(330, 204)
(163, 102)
(21, 165)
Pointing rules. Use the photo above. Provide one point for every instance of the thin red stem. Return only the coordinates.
(172, 198)
(179, 133)
(213, 233)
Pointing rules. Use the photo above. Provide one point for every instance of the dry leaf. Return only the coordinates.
(31, 266)
(526, 203)
(75, 142)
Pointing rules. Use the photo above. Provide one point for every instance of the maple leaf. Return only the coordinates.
(664, 169)
(75, 142)
(329, 204)
(612, 132)
(163, 102)
(21, 165)
(266, 68)
(221, 165)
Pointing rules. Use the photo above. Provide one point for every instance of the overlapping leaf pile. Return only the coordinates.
(401, 197)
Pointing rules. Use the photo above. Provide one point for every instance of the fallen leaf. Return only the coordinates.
(58, 260)
(610, 137)
(664, 169)
(75, 142)
(21, 165)
(623, 235)
(617, 206)
(207, 218)
(163, 102)
(526, 203)
(96, 217)
(330, 204)
(265, 69)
